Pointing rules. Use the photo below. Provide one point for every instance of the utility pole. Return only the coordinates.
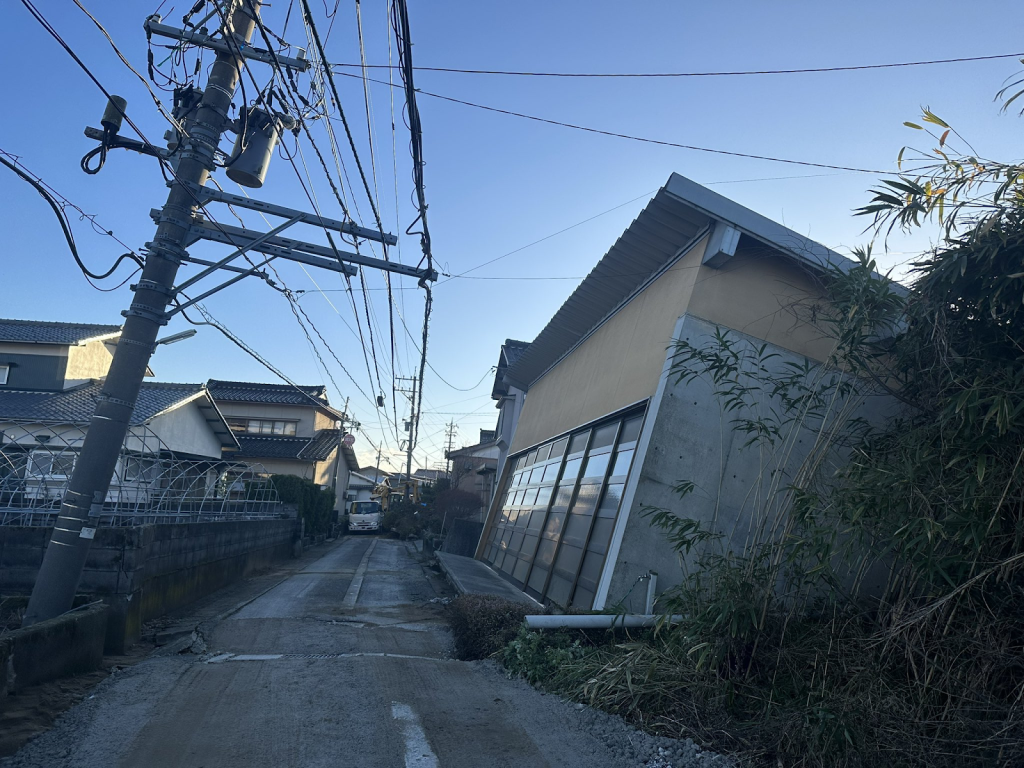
(192, 156)
(64, 560)
(411, 393)
(450, 431)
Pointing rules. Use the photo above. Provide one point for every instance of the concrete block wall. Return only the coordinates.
(67, 645)
(143, 572)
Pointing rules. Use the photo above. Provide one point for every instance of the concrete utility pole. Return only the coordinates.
(64, 560)
(409, 426)
(450, 431)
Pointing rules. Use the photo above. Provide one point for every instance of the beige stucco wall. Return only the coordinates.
(88, 361)
(619, 364)
(324, 421)
(324, 473)
(764, 295)
(304, 416)
(185, 430)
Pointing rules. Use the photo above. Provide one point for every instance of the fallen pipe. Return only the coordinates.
(597, 621)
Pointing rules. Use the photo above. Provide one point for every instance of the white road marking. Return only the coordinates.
(352, 595)
(257, 657)
(417, 749)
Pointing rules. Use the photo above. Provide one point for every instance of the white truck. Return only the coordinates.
(365, 516)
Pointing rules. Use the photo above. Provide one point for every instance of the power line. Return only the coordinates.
(68, 235)
(643, 139)
(733, 73)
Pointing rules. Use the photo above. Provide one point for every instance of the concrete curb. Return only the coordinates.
(452, 578)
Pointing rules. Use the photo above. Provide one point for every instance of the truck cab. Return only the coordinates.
(365, 516)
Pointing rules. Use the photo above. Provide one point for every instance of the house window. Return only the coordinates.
(5, 371)
(263, 426)
(46, 464)
(551, 539)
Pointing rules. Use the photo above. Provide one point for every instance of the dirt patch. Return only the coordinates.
(32, 711)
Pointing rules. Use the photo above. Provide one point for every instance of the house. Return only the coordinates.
(473, 467)
(603, 432)
(287, 430)
(52, 374)
(509, 398)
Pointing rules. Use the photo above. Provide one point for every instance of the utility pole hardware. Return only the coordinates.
(191, 158)
(411, 392)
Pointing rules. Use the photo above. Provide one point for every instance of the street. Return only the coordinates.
(343, 661)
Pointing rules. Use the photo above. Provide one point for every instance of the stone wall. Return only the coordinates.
(143, 572)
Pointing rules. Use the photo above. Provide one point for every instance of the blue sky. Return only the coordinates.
(496, 183)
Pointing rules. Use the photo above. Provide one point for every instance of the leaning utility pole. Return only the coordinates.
(192, 156)
(64, 560)
(409, 425)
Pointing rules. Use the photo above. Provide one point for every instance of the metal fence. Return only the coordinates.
(150, 482)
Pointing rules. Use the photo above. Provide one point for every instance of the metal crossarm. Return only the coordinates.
(347, 227)
(153, 26)
(286, 247)
(253, 244)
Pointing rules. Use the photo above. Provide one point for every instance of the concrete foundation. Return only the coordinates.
(146, 571)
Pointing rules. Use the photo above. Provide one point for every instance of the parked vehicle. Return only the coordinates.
(365, 516)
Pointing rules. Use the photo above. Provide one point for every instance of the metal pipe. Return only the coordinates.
(597, 621)
(652, 585)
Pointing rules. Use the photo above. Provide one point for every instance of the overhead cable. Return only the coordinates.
(727, 73)
(643, 139)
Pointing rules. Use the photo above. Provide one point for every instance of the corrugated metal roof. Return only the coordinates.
(43, 332)
(650, 243)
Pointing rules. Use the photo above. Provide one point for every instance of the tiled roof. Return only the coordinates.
(285, 447)
(512, 349)
(271, 394)
(269, 447)
(75, 406)
(40, 332)
(322, 445)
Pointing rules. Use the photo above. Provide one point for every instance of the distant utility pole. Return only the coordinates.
(192, 158)
(409, 427)
(450, 431)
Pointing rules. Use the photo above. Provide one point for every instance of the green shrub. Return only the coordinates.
(315, 505)
(542, 657)
(483, 624)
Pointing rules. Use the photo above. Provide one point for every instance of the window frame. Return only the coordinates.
(5, 374)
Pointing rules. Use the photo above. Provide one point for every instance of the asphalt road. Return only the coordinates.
(343, 661)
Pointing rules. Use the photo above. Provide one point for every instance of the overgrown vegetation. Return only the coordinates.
(870, 608)
(315, 505)
(483, 624)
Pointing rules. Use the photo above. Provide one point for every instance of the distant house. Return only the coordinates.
(426, 476)
(51, 375)
(601, 431)
(508, 396)
(287, 430)
(473, 467)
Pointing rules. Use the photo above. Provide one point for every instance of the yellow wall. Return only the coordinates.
(619, 364)
(765, 295)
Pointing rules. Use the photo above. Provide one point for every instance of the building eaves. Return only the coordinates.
(681, 212)
(61, 334)
(658, 234)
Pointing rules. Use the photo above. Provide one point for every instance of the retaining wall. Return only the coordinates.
(67, 645)
(146, 571)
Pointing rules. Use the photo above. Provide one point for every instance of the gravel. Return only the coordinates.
(632, 747)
